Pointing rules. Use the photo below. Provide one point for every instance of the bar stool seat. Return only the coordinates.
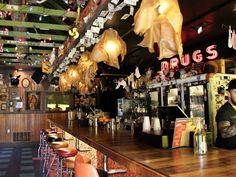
(66, 152)
(59, 144)
(47, 130)
(53, 137)
(85, 170)
(70, 162)
(56, 145)
(63, 153)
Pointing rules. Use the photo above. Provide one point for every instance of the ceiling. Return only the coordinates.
(46, 26)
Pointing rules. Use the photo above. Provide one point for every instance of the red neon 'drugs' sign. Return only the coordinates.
(197, 57)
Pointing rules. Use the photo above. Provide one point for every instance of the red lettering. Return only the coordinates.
(197, 56)
(211, 50)
(164, 65)
(185, 60)
(174, 63)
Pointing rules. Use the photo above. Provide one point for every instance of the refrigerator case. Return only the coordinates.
(199, 96)
(123, 107)
(204, 95)
(169, 93)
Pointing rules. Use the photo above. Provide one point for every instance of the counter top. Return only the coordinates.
(149, 161)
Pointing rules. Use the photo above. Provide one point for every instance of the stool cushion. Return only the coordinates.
(84, 169)
(53, 139)
(47, 131)
(59, 144)
(70, 162)
(66, 152)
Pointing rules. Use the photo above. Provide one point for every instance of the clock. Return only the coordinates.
(25, 83)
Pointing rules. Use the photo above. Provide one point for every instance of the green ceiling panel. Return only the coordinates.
(27, 51)
(29, 43)
(34, 25)
(37, 10)
(38, 36)
(33, 57)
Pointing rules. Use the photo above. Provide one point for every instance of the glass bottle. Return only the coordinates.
(200, 143)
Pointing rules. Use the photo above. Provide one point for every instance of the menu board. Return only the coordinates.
(183, 126)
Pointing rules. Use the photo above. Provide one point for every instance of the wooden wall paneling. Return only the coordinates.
(20, 123)
(5, 124)
(36, 124)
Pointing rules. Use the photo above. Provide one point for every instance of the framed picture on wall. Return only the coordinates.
(4, 106)
(3, 90)
(3, 97)
(33, 101)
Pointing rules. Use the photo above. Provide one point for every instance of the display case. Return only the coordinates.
(58, 101)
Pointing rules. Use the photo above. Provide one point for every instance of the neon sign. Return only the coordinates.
(197, 57)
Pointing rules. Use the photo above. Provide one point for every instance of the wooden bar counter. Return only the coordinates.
(148, 161)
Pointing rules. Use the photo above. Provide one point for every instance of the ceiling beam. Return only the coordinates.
(40, 51)
(29, 43)
(38, 36)
(7, 60)
(42, 26)
(14, 55)
(38, 10)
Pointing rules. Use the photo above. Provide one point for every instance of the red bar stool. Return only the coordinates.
(71, 162)
(85, 170)
(51, 137)
(63, 153)
(42, 139)
(54, 146)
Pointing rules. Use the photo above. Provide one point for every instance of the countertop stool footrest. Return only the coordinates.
(111, 171)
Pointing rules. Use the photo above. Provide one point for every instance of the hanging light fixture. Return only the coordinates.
(109, 48)
(87, 71)
(64, 84)
(73, 75)
(160, 21)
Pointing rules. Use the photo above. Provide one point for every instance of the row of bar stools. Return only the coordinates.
(42, 140)
(50, 138)
(54, 146)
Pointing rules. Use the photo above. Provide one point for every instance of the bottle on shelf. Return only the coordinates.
(200, 143)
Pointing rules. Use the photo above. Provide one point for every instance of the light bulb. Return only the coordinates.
(199, 30)
(110, 46)
(163, 7)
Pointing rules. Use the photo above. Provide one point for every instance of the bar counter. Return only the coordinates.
(148, 161)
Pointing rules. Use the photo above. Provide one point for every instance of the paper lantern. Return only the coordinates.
(64, 83)
(73, 74)
(108, 49)
(160, 21)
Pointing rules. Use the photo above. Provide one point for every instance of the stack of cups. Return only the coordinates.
(146, 124)
(155, 125)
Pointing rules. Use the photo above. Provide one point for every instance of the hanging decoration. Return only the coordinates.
(74, 32)
(109, 48)
(232, 39)
(160, 21)
(87, 67)
(64, 84)
(73, 75)
(46, 67)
